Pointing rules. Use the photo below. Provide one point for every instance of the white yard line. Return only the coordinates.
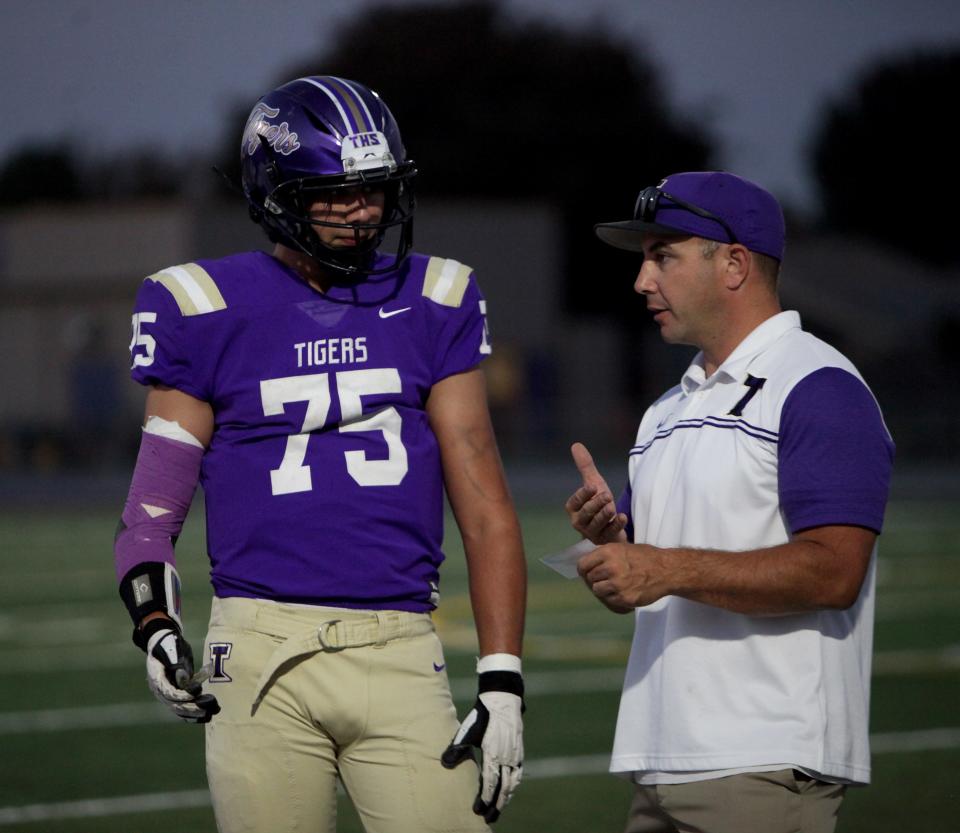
(544, 683)
(919, 740)
(147, 712)
(84, 717)
(99, 807)
(559, 767)
(111, 655)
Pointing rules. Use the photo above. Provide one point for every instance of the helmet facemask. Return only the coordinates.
(287, 215)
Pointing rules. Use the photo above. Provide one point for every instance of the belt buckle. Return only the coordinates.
(324, 633)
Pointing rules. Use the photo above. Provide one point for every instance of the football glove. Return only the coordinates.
(171, 676)
(494, 726)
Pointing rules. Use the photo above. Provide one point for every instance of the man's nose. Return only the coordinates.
(644, 284)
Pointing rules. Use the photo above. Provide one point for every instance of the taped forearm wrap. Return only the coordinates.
(164, 481)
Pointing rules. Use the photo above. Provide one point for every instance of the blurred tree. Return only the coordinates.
(885, 158)
(55, 173)
(508, 108)
(497, 107)
(134, 173)
(40, 174)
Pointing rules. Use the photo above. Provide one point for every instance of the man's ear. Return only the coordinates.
(738, 263)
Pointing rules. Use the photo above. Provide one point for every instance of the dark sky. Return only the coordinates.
(108, 74)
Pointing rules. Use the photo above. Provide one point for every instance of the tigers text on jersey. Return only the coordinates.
(322, 481)
(784, 436)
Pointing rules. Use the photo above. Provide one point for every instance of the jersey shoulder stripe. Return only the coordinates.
(192, 288)
(445, 281)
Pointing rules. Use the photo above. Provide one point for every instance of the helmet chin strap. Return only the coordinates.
(347, 264)
(323, 266)
(346, 267)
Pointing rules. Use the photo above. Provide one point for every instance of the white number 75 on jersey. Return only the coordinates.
(314, 389)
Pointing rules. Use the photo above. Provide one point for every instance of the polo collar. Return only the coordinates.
(736, 363)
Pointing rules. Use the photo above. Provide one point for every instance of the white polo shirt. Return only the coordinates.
(784, 436)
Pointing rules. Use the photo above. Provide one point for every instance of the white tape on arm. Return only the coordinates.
(171, 429)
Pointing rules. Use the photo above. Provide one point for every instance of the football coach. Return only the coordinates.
(745, 540)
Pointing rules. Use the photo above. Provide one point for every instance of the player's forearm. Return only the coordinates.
(498, 584)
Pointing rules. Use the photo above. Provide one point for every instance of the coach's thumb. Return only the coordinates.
(586, 466)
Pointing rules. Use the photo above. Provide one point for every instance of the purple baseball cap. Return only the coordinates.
(714, 205)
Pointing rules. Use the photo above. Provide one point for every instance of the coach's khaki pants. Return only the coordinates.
(312, 694)
(784, 801)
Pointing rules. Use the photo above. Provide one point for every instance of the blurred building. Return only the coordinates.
(68, 277)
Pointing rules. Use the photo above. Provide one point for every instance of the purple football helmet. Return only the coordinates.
(311, 137)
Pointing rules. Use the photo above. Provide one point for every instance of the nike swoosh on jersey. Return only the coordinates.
(439, 668)
(393, 312)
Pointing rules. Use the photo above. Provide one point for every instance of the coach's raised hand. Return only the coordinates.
(592, 509)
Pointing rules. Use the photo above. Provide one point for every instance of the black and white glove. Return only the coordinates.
(170, 673)
(495, 727)
(151, 587)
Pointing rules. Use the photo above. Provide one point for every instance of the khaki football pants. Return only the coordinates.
(310, 694)
(784, 801)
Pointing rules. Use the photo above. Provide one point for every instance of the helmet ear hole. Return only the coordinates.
(270, 168)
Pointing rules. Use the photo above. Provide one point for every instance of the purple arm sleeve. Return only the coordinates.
(624, 503)
(835, 455)
(164, 480)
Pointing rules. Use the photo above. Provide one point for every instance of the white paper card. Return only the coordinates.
(565, 561)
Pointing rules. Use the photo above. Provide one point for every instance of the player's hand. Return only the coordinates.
(495, 727)
(171, 676)
(592, 509)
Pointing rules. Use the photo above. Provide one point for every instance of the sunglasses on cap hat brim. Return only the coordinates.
(626, 235)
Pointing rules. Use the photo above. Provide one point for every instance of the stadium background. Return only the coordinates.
(82, 745)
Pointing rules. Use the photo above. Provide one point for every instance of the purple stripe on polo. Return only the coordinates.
(835, 454)
(710, 422)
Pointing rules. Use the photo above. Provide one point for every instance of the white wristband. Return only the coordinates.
(498, 662)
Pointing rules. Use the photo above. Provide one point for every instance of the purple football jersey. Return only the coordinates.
(322, 482)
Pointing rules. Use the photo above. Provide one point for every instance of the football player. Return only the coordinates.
(323, 395)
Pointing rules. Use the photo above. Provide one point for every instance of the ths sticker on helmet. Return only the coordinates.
(363, 151)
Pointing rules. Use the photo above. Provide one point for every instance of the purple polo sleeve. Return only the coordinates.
(624, 503)
(835, 454)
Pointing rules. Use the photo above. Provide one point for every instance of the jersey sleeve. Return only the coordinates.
(463, 339)
(168, 346)
(835, 454)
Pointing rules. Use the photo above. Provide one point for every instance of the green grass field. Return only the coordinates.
(83, 746)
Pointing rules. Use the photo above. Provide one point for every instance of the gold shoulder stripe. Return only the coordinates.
(446, 281)
(192, 288)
